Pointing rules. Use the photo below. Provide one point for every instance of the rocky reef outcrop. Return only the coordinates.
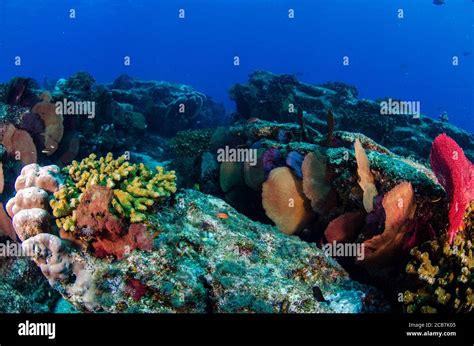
(343, 187)
(79, 116)
(23, 288)
(204, 257)
(277, 97)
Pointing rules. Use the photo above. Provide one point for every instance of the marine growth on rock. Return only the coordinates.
(135, 187)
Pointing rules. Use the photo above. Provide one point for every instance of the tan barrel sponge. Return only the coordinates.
(284, 201)
(366, 179)
(18, 143)
(399, 205)
(53, 122)
(316, 181)
(231, 175)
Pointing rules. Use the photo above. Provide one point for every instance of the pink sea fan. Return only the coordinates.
(456, 174)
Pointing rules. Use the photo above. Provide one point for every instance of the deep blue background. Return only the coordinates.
(408, 59)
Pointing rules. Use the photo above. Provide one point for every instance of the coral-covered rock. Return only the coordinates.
(204, 263)
(444, 274)
(62, 267)
(23, 288)
(267, 96)
(135, 188)
(167, 107)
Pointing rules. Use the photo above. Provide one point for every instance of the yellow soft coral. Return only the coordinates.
(136, 188)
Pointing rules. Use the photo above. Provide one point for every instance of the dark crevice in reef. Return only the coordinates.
(209, 296)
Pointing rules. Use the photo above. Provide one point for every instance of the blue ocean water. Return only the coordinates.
(409, 58)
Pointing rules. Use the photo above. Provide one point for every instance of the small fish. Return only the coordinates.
(252, 120)
(318, 295)
(223, 216)
(285, 305)
(438, 2)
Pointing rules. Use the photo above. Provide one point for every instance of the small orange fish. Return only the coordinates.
(223, 216)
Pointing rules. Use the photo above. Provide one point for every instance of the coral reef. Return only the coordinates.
(360, 192)
(202, 262)
(114, 235)
(267, 96)
(23, 288)
(445, 271)
(60, 267)
(168, 108)
(135, 188)
(100, 118)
